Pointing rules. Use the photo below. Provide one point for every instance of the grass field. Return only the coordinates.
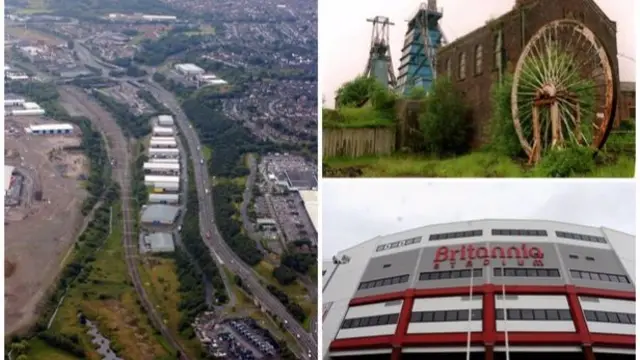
(33, 35)
(107, 298)
(40, 350)
(159, 277)
(479, 164)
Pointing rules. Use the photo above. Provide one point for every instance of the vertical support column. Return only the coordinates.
(489, 316)
(396, 353)
(488, 352)
(578, 317)
(588, 353)
(403, 320)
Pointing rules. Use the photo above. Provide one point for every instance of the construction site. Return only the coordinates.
(42, 213)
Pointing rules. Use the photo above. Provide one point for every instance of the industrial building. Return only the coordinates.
(150, 180)
(165, 120)
(167, 153)
(161, 168)
(160, 242)
(169, 199)
(487, 289)
(162, 131)
(189, 69)
(27, 109)
(50, 129)
(210, 79)
(14, 102)
(169, 143)
(8, 173)
(164, 161)
(159, 214)
(160, 187)
(310, 200)
(163, 138)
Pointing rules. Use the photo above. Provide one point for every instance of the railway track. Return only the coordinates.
(121, 154)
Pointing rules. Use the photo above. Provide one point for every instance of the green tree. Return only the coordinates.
(417, 93)
(356, 92)
(504, 139)
(445, 122)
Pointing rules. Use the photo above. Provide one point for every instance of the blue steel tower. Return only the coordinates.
(423, 38)
(379, 65)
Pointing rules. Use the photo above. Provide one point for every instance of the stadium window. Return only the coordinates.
(525, 272)
(534, 314)
(455, 235)
(576, 236)
(450, 274)
(446, 315)
(610, 317)
(393, 280)
(379, 320)
(518, 232)
(571, 256)
(596, 276)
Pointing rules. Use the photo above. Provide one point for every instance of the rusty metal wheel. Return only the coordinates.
(564, 90)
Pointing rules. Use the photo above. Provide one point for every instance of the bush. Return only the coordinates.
(504, 139)
(445, 123)
(567, 162)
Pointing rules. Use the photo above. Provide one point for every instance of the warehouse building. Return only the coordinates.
(164, 161)
(26, 109)
(159, 242)
(165, 120)
(158, 214)
(310, 201)
(8, 174)
(189, 69)
(169, 199)
(169, 143)
(162, 131)
(150, 180)
(164, 153)
(160, 187)
(487, 289)
(12, 101)
(161, 168)
(50, 129)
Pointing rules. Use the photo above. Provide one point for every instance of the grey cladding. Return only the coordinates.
(389, 267)
(584, 266)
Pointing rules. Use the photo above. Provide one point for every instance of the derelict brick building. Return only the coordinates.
(476, 60)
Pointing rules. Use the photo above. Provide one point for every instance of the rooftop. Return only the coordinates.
(159, 242)
(51, 127)
(163, 214)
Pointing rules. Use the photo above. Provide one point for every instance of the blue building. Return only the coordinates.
(422, 40)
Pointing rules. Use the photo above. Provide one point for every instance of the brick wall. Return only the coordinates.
(476, 86)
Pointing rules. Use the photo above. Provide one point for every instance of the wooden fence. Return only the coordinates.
(356, 142)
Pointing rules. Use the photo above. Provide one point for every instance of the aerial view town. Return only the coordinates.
(161, 180)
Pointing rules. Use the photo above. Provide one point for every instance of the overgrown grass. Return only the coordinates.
(40, 350)
(108, 298)
(348, 117)
(478, 164)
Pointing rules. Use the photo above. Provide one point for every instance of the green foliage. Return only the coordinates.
(353, 117)
(154, 53)
(300, 262)
(132, 125)
(294, 309)
(225, 195)
(568, 162)
(445, 123)
(284, 275)
(228, 139)
(417, 93)
(504, 139)
(356, 92)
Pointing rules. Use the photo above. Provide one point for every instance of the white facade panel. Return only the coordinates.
(613, 305)
(447, 303)
(360, 352)
(392, 307)
(625, 247)
(609, 328)
(533, 302)
(444, 327)
(332, 321)
(535, 326)
(366, 331)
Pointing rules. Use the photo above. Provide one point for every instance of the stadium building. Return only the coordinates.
(487, 289)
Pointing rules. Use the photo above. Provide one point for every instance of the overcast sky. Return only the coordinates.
(354, 211)
(344, 34)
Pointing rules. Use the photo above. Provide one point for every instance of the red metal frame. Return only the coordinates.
(489, 337)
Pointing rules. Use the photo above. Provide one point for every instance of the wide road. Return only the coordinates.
(219, 248)
(103, 120)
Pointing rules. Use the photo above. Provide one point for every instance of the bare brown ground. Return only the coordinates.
(33, 35)
(37, 237)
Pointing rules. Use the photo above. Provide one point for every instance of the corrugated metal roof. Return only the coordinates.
(163, 214)
(160, 242)
(51, 127)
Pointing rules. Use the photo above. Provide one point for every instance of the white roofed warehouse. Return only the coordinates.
(159, 214)
(162, 131)
(50, 129)
(150, 180)
(159, 242)
(494, 289)
(164, 153)
(189, 69)
(161, 168)
(163, 143)
(165, 120)
(160, 198)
